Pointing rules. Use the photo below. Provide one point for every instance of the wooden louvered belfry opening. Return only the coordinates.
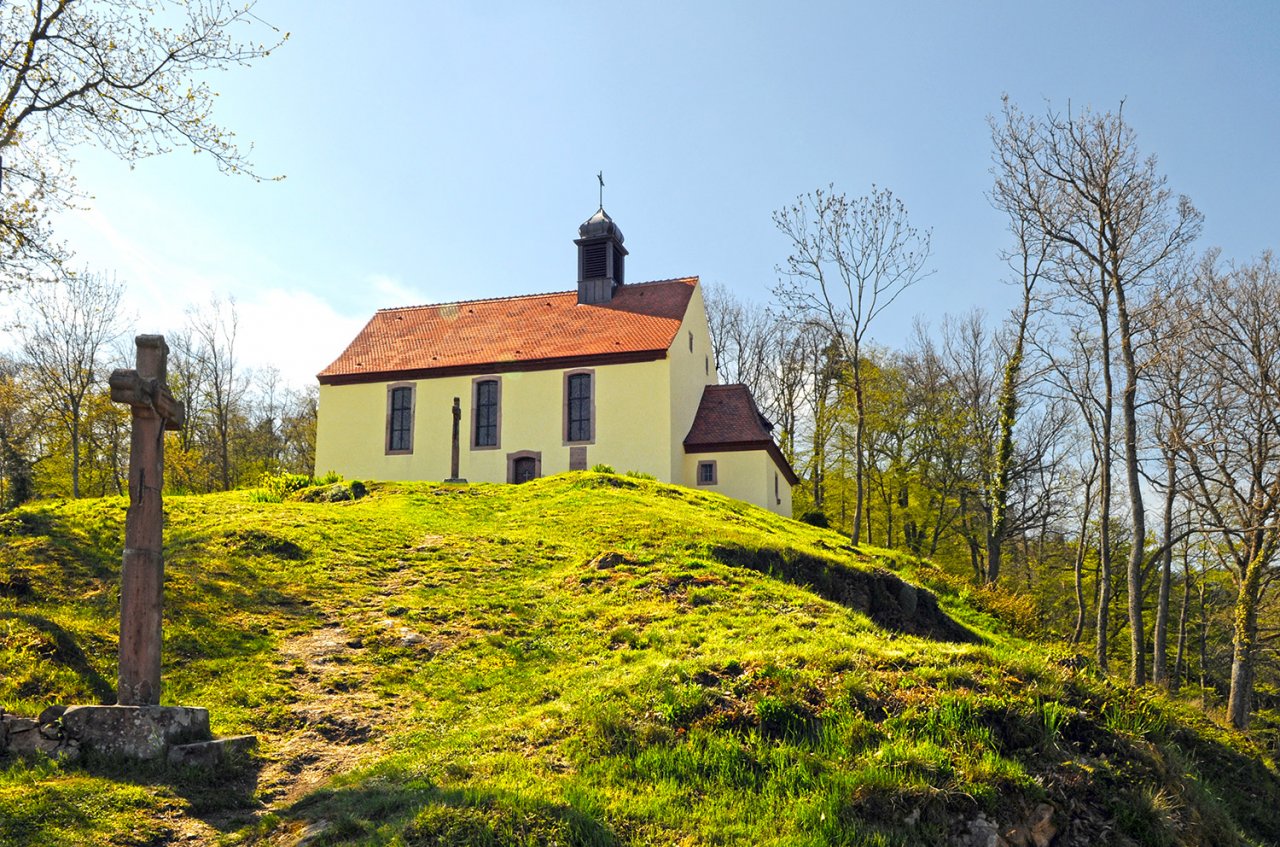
(595, 260)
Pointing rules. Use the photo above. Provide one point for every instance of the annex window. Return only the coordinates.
(486, 413)
(400, 419)
(579, 407)
(690, 342)
(777, 492)
(707, 473)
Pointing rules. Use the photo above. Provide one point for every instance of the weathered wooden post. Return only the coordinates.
(454, 449)
(145, 389)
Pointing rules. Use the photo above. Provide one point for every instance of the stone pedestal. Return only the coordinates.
(177, 734)
(135, 732)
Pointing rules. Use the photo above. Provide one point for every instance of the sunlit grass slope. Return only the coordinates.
(585, 659)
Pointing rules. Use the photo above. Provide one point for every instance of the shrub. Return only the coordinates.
(640, 475)
(814, 517)
(602, 468)
(272, 488)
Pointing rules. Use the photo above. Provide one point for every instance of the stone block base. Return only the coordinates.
(24, 736)
(208, 754)
(135, 732)
(178, 734)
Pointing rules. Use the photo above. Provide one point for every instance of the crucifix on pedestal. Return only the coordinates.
(142, 572)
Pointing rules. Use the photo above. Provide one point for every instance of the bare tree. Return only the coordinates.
(850, 259)
(1080, 369)
(745, 341)
(1232, 442)
(67, 326)
(298, 429)
(123, 74)
(1170, 372)
(1109, 211)
(1017, 178)
(213, 329)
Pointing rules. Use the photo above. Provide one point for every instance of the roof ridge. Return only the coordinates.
(528, 296)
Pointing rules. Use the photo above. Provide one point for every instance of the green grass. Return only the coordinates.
(591, 659)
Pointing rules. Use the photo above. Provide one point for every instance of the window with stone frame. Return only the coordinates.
(707, 473)
(400, 419)
(486, 413)
(578, 417)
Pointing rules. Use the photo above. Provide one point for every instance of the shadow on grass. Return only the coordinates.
(223, 797)
(882, 596)
(426, 815)
(83, 548)
(68, 654)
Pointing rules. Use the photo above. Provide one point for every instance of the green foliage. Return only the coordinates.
(1136, 717)
(638, 475)
(274, 487)
(815, 517)
(1054, 715)
(602, 468)
(277, 487)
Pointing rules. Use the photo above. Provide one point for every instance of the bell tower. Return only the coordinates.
(600, 255)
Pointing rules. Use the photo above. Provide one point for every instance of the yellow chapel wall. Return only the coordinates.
(691, 371)
(631, 424)
(748, 475)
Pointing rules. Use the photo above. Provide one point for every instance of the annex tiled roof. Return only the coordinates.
(728, 419)
(515, 333)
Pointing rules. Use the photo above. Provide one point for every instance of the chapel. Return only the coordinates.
(611, 372)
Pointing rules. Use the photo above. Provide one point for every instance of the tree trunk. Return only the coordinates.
(1160, 649)
(75, 453)
(1175, 681)
(937, 527)
(1006, 417)
(1082, 549)
(1244, 643)
(1204, 640)
(1137, 510)
(1104, 486)
(1104, 553)
(859, 466)
(888, 521)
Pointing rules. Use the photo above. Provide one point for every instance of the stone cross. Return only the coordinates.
(142, 572)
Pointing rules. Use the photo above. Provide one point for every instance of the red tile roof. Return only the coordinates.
(515, 333)
(728, 419)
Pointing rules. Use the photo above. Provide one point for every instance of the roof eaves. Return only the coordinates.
(495, 367)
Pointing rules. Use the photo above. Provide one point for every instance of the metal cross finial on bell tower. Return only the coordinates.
(600, 176)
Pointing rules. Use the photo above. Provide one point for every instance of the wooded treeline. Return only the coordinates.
(60, 434)
(1110, 448)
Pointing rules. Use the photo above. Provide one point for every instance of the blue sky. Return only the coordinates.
(436, 152)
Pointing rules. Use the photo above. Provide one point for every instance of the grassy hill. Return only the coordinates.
(587, 659)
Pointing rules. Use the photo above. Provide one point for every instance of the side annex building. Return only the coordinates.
(612, 373)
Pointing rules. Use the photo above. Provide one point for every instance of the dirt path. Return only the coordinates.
(333, 727)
